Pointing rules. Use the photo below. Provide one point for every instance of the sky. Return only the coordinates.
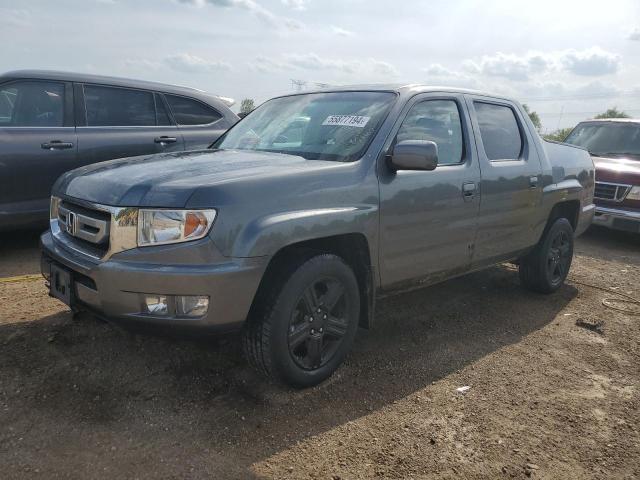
(568, 60)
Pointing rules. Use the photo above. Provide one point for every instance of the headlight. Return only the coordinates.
(634, 193)
(158, 227)
(54, 208)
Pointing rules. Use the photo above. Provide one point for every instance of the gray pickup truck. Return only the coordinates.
(292, 223)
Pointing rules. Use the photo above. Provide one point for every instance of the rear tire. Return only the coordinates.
(304, 321)
(545, 269)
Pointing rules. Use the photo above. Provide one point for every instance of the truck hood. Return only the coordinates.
(617, 170)
(170, 180)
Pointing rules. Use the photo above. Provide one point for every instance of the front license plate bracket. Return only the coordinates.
(60, 284)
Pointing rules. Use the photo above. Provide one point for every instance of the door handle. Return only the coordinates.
(165, 139)
(468, 191)
(533, 181)
(56, 145)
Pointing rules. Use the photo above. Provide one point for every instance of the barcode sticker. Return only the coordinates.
(346, 120)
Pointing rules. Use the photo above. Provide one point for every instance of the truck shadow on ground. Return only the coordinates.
(96, 385)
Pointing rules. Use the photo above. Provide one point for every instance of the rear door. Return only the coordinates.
(428, 218)
(511, 182)
(37, 144)
(117, 122)
(200, 124)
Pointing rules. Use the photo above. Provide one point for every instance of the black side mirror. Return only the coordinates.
(414, 155)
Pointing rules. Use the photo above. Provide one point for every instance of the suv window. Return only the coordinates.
(32, 104)
(162, 116)
(439, 122)
(191, 112)
(499, 131)
(118, 107)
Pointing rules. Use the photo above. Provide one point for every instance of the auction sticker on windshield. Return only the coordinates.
(346, 120)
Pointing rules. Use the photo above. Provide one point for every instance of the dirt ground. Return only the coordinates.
(554, 387)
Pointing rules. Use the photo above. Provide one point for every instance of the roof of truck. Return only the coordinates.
(401, 88)
(106, 80)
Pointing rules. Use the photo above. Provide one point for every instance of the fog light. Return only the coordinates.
(156, 304)
(192, 305)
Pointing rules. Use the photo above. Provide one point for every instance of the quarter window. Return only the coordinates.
(437, 121)
(119, 107)
(499, 131)
(191, 112)
(32, 104)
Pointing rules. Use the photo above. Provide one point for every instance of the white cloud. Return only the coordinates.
(439, 74)
(312, 61)
(254, 8)
(180, 62)
(634, 35)
(266, 65)
(508, 65)
(592, 62)
(382, 67)
(186, 62)
(15, 17)
(341, 31)
(295, 4)
(370, 67)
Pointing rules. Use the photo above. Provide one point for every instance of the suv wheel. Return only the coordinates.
(303, 326)
(545, 269)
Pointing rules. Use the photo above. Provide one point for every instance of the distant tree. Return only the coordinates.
(613, 113)
(535, 118)
(247, 105)
(558, 135)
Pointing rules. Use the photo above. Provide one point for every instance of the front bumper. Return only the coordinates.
(617, 219)
(114, 289)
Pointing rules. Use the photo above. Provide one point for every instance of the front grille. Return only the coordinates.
(84, 229)
(615, 192)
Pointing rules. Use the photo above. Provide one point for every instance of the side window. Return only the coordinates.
(32, 104)
(439, 122)
(118, 107)
(191, 112)
(499, 131)
(162, 116)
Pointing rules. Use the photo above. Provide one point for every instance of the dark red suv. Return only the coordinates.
(614, 145)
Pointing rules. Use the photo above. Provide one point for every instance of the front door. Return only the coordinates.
(428, 218)
(511, 183)
(37, 145)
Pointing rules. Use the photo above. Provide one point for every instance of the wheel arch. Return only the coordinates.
(569, 209)
(353, 248)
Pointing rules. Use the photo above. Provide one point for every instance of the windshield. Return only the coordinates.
(610, 138)
(334, 126)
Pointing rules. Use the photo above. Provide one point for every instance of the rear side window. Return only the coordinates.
(191, 112)
(32, 104)
(437, 121)
(119, 107)
(499, 131)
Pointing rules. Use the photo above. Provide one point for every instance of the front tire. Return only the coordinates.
(304, 322)
(545, 269)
